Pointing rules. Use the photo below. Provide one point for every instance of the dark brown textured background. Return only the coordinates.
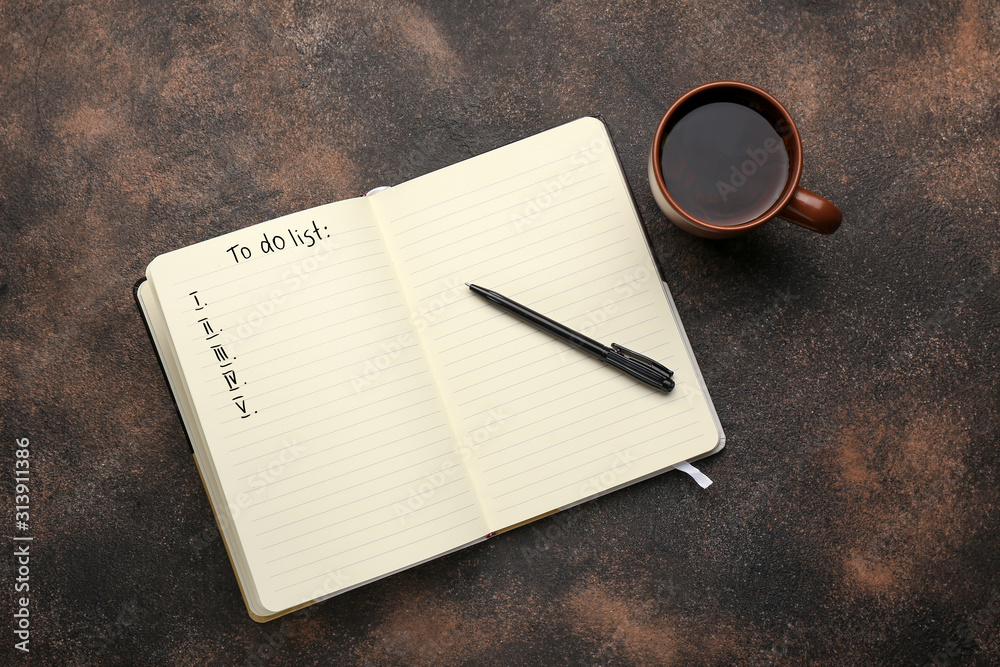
(854, 517)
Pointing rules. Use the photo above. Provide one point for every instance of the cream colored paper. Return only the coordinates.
(549, 223)
(333, 451)
(366, 412)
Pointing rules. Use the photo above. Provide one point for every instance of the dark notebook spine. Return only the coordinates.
(166, 380)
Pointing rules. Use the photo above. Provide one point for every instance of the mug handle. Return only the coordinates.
(807, 209)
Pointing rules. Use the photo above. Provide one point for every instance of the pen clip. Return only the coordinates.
(631, 354)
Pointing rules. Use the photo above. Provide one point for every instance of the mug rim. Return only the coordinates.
(794, 172)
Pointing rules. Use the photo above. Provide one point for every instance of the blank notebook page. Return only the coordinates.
(322, 450)
(549, 222)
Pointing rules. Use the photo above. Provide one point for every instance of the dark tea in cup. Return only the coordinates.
(726, 158)
(724, 163)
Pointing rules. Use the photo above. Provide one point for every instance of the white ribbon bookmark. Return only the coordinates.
(700, 478)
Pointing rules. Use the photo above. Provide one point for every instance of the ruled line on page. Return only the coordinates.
(363, 436)
(551, 417)
(258, 275)
(658, 452)
(326, 508)
(238, 340)
(368, 480)
(324, 370)
(493, 346)
(493, 210)
(340, 445)
(310, 286)
(315, 361)
(324, 327)
(545, 339)
(327, 526)
(501, 315)
(598, 367)
(521, 382)
(562, 397)
(520, 442)
(465, 270)
(519, 248)
(328, 341)
(392, 519)
(577, 452)
(384, 553)
(570, 381)
(523, 276)
(286, 478)
(582, 387)
(528, 363)
(323, 389)
(378, 539)
(327, 404)
(486, 306)
(481, 232)
(321, 313)
(228, 267)
(324, 342)
(478, 189)
(318, 421)
(576, 258)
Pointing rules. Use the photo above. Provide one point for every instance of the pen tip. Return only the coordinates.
(468, 285)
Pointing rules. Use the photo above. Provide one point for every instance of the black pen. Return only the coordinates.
(638, 366)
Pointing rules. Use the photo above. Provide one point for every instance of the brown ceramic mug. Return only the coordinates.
(726, 158)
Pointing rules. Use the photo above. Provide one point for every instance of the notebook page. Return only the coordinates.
(548, 222)
(323, 425)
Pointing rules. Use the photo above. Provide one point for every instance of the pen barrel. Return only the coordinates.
(640, 367)
(577, 340)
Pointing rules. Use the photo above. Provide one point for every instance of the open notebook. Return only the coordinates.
(354, 410)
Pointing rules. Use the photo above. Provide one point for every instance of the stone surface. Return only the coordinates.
(854, 515)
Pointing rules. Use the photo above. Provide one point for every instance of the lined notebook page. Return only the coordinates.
(323, 425)
(549, 222)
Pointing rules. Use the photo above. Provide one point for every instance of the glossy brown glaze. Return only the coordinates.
(794, 204)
